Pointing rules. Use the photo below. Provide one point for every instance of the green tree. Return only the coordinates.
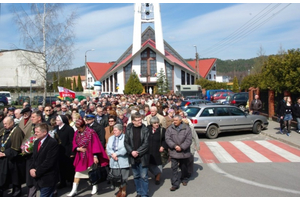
(74, 88)
(62, 82)
(235, 87)
(133, 85)
(282, 72)
(210, 85)
(252, 80)
(79, 84)
(162, 83)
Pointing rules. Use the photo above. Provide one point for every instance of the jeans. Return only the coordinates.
(298, 123)
(47, 191)
(140, 175)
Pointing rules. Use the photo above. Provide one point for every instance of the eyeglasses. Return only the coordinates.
(155, 123)
(111, 120)
(47, 110)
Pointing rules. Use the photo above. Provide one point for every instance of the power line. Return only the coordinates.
(246, 30)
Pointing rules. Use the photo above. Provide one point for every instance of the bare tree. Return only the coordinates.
(259, 61)
(47, 30)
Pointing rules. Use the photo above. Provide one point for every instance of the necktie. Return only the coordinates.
(39, 146)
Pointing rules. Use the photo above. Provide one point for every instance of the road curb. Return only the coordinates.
(282, 140)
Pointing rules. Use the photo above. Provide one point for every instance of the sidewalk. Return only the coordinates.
(273, 131)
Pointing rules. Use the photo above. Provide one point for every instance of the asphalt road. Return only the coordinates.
(225, 168)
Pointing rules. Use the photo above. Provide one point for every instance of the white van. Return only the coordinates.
(7, 94)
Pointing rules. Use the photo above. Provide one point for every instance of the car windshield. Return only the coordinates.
(192, 112)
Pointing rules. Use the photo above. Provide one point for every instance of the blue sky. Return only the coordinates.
(219, 30)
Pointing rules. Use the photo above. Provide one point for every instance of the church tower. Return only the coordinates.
(147, 13)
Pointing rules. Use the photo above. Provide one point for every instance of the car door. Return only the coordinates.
(223, 118)
(240, 118)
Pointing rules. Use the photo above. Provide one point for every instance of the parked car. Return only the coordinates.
(215, 119)
(3, 100)
(224, 101)
(220, 95)
(186, 103)
(21, 99)
(210, 93)
(38, 100)
(191, 97)
(239, 99)
(8, 96)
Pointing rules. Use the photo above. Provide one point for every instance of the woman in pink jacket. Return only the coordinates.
(88, 150)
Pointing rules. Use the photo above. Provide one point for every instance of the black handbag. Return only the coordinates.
(115, 179)
(98, 174)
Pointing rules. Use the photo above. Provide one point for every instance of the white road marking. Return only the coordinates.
(221, 154)
(284, 153)
(214, 167)
(251, 153)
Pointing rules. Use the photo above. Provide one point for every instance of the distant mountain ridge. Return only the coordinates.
(224, 67)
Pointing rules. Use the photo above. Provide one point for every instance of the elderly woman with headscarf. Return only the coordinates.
(65, 134)
(157, 145)
(118, 157)
(88, 150)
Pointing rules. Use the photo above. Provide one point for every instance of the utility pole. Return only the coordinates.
(197, 63)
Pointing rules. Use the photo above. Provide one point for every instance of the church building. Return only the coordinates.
(147, 56)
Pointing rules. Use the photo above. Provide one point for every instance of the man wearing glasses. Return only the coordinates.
(48, 114)
(137, 146)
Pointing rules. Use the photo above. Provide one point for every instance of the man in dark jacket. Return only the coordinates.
(255, 105)
(99, 129)
(296, 112)
(11, 137)
(137, 145)
(179, 139)
(44, 168)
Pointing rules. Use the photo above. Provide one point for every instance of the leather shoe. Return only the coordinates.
(173, 188)
(138, 195)
(184, 183)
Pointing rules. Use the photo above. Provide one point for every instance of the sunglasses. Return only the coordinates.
(47, 110)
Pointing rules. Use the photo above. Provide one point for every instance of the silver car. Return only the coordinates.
(214, 119)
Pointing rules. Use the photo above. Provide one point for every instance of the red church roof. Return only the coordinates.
(99, 69)
(204, 66)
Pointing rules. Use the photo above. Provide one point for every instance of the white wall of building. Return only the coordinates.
(16, 73)
(177, 78)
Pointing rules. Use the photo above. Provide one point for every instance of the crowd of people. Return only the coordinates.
(49, 147)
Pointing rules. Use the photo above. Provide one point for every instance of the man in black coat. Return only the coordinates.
(44, 168)
(137, 146)
(99, 129)
(11, 137)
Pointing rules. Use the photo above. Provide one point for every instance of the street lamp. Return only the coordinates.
(197, 67)
(85, 68)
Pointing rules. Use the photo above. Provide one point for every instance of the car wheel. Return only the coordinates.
(242, 107)
(1, 104)
(257, 127)
(212, 132)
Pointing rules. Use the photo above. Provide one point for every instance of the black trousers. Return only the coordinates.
(175, 165)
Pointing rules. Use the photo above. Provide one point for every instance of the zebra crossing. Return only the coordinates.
(257, 151)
